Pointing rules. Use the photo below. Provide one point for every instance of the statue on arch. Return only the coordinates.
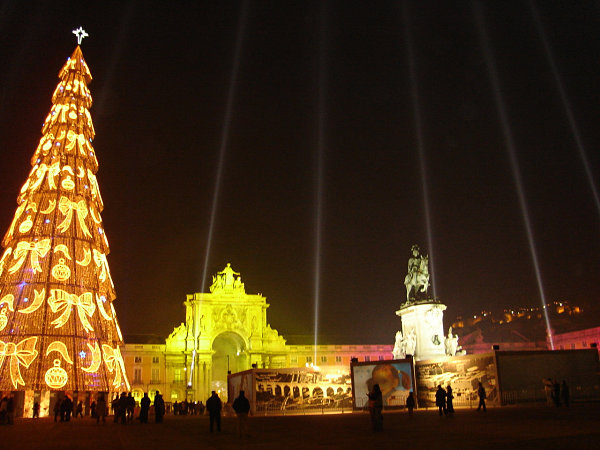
(417, 279)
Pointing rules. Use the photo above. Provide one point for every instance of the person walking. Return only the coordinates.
(101, 409)
(79, 410)
(410, 403)
(241, 406)
(376, 407)
(440, 399)
(214, 406)
(449, 403)
(482, 396)
(144, 408)
(159, 407)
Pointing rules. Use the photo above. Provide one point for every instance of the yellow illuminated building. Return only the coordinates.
(227, 330)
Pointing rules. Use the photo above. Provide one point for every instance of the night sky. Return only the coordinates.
(329, 84)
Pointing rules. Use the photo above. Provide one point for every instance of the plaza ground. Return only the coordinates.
(515, 427)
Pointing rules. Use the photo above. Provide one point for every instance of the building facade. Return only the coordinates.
(226, 330)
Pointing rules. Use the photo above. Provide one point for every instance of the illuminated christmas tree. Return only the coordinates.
(58, 326)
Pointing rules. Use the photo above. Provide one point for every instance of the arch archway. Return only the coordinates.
(229, 354)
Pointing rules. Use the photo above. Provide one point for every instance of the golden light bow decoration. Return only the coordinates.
(75, 139)
(61, 301)
(21, 354)
(35, 250)
(102, 263)
(6, 254)
(67, 207)
(114, 363)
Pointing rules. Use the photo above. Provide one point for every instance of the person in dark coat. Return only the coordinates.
(449, 398)
(57, 408)
(440, 399)
(376, 407)
(241, 406)
(482, 396)
(122, 408)
(101, 409)
(144, 408)
(564, 393)
(410, 403)
(556, 393)
(130, 407)
(159, 407)
(79, 410)
(66, 409)
(214, 406)
(36, 410)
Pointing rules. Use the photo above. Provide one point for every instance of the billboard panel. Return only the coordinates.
(395, 378)
(463, 373)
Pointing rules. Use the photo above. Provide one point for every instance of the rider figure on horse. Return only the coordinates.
(418, 273)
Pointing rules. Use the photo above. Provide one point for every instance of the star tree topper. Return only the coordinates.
(80, 33)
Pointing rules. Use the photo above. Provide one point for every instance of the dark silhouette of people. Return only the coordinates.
(241, 406)
(440, 399)
(201, 408)
(564, 393)
(482, 396)
(114, 405)
(376, 407)
(66, 409)
(410, 403)
(214, 406)
(36, 410)
(93, 409)
(159, 407)
(79, 410)
(101, 409)
(556, 393)
(122, 408)
(144, 408)
(10, 410)
(57, 409)
(130, 408)
(449, 398)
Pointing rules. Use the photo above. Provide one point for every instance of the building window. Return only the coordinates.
(177, 375)
(367, 358)
(155, 360)
(137, 375)
(138, 360)
(294, 360)
(323, 359)
(155, 375)
(309, 359)
(584, 343)
(338, 359)
(572, 346)
(381, 357)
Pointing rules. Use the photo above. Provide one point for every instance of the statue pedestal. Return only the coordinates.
(425, 321)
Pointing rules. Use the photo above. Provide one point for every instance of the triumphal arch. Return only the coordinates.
(225, 330)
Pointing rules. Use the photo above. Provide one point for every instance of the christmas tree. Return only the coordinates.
(58, 326)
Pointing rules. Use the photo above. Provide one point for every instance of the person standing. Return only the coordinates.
(564, 393)
(376, 407)
(214, 406)
(449, 397)
(241, 406)
(144, 408)
(10, 409)
(36, 410)
(101, 409)
(79, 410)
(440, 399)
(410, 403)
(159, 407)
(482, 396)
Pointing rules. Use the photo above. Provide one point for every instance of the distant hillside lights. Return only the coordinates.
(508, 315)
